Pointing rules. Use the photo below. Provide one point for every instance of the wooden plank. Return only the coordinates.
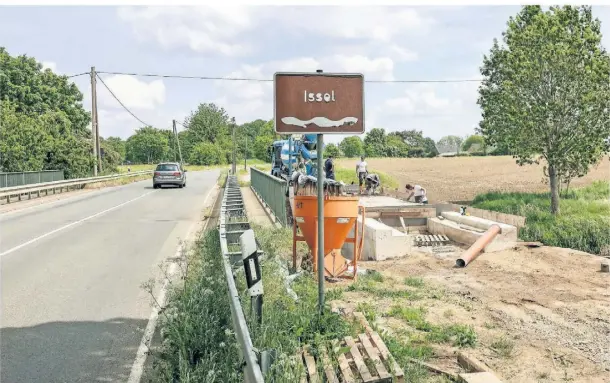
(374, 355)
(479, 377)
(385, 354)
(303, 371)
(433, 368)
(362, 320)
(329, 371)
(470, 363)
(365, 374)
(346, 370)
(310, 363)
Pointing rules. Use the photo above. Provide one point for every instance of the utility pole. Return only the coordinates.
(246, 155)
(234, 164)
(175, 137)
(94, 120)
(178, 142)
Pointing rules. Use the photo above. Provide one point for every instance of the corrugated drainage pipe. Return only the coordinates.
(475, 250)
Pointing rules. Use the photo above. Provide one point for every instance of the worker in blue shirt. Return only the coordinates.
(329, 168)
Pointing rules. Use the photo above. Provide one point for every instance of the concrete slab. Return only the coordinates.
(480, 223)
(479, 377)
(453, 230)
(380, 242)
(384, 201)
(255, 211)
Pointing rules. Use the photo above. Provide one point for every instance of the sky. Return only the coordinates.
(383, 43)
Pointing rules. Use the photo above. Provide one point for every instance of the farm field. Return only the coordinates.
(462, 178)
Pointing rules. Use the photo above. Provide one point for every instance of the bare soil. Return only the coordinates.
(462, 178)
(541, 315)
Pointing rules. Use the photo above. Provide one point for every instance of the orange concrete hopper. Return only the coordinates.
(340, 216)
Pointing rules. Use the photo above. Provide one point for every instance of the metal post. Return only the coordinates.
(320, 223)
(93, 120)
(253, 272)
(289, 158)
(233, 164)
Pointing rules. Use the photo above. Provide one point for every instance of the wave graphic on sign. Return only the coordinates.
(321, 122)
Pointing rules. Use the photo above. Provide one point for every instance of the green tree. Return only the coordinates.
(429, 146)
(209, 123)
(375, 142)
(352, 146)
(545, 94)
(118, 145)
(331, 150)
(476, 140)
(35, 91)
(205, 153)
(148, 145)
(450, 144)
(395, 146)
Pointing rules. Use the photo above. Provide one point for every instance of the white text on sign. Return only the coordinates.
(319, 97)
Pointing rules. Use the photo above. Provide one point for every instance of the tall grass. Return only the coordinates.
(198, 344)
(583, 223)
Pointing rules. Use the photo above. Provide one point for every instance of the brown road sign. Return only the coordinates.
(319, 103)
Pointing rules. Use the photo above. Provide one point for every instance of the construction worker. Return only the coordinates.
(372, 183)
(418, 192)
(361, 172)
(329, 168)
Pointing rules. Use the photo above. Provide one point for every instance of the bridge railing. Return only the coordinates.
(11, 179)
(272, 192)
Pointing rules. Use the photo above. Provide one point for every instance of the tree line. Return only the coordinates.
(545, 97)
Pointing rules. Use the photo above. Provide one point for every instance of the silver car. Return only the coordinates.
(169, 173)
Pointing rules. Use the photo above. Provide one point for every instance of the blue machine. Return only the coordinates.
(284, 160)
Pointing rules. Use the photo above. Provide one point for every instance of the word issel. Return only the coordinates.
(319, 97)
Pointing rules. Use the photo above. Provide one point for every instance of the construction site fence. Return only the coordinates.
(272, 191)
(10, 179)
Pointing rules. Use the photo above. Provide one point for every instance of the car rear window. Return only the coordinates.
(167, 168)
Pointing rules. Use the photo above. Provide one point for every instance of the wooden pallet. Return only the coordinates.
(431, 240)
(364, 359)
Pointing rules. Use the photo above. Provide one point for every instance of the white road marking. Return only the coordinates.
(71, 224)
(137, 369)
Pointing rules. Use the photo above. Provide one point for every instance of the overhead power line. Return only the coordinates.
(270, 80)
(119, 101)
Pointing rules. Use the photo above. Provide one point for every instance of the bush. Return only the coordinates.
(208, 154)
(583, 224)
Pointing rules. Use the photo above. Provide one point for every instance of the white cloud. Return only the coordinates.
(132, 92)
(202, 29)
(237, 30)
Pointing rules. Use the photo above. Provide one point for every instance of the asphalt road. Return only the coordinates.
(73, 309)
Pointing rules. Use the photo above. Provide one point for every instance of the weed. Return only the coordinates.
(489, 325)
(414, 316)
(448, 313)
(503, 347)
(583, 223)
(414, 282)
(368, 311)
(374, 275)
(368, 283)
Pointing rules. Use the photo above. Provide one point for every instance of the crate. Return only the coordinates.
(363, 359)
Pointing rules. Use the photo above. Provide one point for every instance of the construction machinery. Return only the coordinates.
(287, 155)
(341, 214)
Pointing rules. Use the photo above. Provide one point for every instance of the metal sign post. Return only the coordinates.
(252, 268)
(319, 103)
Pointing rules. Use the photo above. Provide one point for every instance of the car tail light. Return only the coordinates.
(157, 174)
(177, 174)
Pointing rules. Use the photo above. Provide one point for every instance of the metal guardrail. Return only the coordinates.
(233, 224)
(7, 193)
(272, 191)
(11, 179)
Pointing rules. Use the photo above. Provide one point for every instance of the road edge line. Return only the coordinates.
(137, 368)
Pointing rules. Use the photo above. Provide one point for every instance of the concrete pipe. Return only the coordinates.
(475, 250)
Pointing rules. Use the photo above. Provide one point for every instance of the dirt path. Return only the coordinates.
(540, 315)
(462, 178)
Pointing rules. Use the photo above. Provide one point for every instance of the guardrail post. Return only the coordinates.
(254, 277)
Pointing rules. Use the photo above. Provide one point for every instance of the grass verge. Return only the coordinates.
(583, 223)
